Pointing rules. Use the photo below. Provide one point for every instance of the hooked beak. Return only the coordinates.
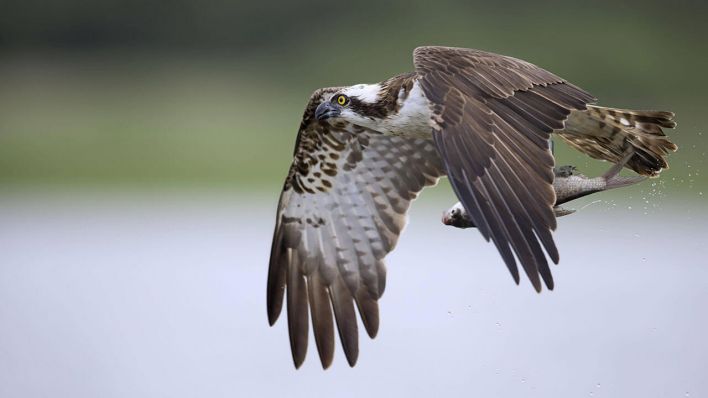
(327, 110)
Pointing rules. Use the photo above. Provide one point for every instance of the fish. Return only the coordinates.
(568, 185)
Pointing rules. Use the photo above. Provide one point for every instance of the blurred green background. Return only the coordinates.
(209, 94)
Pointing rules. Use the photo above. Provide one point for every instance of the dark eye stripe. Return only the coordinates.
(375, 110)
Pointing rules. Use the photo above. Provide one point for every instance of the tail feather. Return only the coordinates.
(609, 133)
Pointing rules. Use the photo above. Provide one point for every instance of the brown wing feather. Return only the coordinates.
(342, 208)
(493, 116)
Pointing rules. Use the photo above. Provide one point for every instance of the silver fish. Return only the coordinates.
(568, 184)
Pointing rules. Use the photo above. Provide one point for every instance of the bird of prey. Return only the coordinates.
(364, 152)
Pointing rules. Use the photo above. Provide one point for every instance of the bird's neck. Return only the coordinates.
(411, 118)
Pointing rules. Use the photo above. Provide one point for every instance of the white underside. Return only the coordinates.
(412, 119)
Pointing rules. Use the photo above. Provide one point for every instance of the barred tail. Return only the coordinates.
(609, 133)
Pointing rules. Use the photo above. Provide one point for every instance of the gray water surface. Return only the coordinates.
(164, 296)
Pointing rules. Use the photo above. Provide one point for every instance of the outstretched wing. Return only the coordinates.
(341, 211)
(493, 117)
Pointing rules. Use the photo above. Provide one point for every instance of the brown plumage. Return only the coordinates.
(364, 152)
(486, 108)
(329, 242)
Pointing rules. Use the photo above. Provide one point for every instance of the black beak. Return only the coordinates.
(327, 110)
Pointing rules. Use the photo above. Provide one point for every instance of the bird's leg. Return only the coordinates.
(565, 171)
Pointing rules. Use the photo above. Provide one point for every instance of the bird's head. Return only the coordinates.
(360, 104)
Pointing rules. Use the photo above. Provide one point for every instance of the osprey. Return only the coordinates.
(364, 152)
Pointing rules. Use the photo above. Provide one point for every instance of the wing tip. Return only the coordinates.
(537, 285)
(372, 330)
(550, 284)
(351, 352)
(272, 321)
(273, 313)
(326, 365)
(368, 309)
(352, 358)
(298, 362)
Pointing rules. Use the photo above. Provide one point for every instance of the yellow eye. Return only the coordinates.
(342, 99)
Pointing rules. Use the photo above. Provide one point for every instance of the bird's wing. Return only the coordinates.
(492, 118)
(342, 208)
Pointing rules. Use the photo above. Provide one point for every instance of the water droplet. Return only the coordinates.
(523, 380)
(597, 385)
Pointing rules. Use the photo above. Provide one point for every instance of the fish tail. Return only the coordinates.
(620, 181)
(614, 180)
